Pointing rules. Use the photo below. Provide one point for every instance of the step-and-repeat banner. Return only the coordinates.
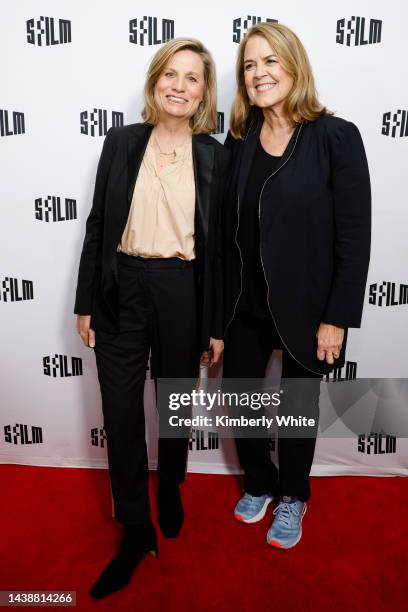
(70, 71)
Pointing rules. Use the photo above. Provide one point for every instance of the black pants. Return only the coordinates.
(157, 313)
(248, 347)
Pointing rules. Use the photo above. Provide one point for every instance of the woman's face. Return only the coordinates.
(180, 88)
(267, 82)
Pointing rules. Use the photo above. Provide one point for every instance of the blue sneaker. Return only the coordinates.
(286, 529)
(251, 509)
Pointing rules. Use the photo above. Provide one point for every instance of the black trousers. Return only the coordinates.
(157, 313)
(248, 347)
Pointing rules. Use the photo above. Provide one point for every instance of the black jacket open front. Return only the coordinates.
(122, 154)
(315, 226)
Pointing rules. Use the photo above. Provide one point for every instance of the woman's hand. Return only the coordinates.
(329, 342)
(212, 357)
(84, 330)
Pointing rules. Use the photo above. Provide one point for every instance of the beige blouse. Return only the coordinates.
(161, 216)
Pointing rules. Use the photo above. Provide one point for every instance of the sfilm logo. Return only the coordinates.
(98, 118)
(45, 31)
(98, 437)
(201, 440)
(353, 31)
(347, 372)
(57, 366)
(241, 25)
(377, 444)
(14, 290)
(17, 119)
(150, 31)
(49, 209)
(393, 121)
(385, 294)
(20, 434)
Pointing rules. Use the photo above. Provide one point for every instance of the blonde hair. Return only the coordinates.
(302, 103)
(205, 119)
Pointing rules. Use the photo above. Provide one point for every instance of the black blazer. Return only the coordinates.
(315, 224)
(122, 154)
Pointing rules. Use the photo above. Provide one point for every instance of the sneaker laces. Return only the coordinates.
(250, 499)
(285, 512)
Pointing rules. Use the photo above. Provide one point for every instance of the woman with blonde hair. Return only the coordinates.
(297, 247)
(150, 280)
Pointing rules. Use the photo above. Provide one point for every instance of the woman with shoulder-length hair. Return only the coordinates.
(150, 279)
(297, 247)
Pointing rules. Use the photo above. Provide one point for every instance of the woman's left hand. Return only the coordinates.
(212, 357)
(329, 342)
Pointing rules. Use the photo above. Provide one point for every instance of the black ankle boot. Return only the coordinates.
(170, 509)
(137, 541)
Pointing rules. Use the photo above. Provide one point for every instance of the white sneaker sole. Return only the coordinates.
(257, 517)
(277, 544)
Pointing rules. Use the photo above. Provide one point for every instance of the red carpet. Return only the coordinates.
(57, 534)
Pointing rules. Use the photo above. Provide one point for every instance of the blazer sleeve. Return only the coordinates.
(91, 249)
(217, 322)
(352, 227)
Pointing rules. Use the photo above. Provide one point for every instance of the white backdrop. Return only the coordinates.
(90, 63)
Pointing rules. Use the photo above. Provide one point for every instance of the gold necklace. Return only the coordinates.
(162, 152)
(174, 150)
(165, 156)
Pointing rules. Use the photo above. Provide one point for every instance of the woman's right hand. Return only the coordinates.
(85, 331)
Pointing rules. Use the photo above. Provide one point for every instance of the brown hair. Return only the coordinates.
(205, 119)
(302, 103)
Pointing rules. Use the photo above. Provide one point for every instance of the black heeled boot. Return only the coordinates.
(170, 509)
(137, 541)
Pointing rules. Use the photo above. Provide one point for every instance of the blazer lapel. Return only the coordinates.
(203, 162)
(137, 144)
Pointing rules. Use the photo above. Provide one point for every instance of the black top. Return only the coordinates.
(254, 289)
